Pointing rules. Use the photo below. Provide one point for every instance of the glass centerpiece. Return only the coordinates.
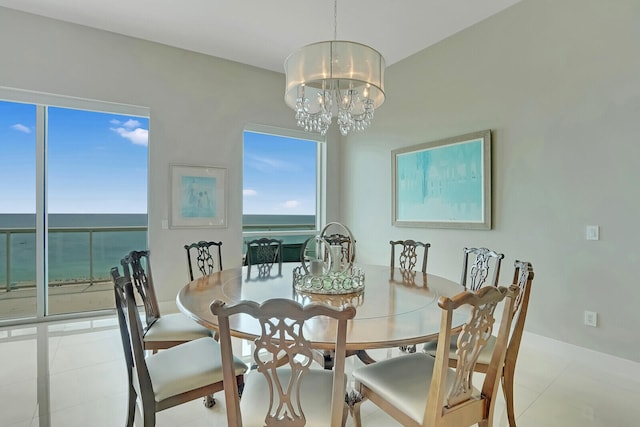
(327, 263)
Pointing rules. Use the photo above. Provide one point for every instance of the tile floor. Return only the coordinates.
(72, 375)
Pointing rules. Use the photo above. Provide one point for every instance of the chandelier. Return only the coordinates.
(335, 78)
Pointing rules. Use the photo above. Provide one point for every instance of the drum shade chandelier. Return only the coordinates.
(334, 78)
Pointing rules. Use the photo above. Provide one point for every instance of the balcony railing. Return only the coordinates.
(76, 255)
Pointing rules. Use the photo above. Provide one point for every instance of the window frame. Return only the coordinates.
(42, 101)
(321, 177)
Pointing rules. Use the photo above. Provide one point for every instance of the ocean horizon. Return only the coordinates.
(70, 251)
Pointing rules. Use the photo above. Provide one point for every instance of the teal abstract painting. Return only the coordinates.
(442, 184)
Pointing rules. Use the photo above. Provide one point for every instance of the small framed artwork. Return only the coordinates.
(198, 197)
(443, 184)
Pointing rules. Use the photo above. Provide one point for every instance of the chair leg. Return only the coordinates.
(507, 390)
(209, 401)
(131, 411)
(355, 413)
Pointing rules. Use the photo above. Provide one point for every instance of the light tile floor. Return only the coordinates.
(72, 375)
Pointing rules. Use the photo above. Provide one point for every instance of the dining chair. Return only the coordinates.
(159, 332)
(419, 390)
(475, 275)
(408, 261)
(408, 256)
(264, 253)
(348, 252)
(171, 377)
(523, 278)
(204, 258)
(293, 394)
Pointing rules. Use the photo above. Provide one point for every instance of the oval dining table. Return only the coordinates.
(392, 310)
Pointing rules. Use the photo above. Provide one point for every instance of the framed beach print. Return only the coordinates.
(198, 197)
(443, 184)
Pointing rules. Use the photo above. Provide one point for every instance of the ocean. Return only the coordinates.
(71, 251)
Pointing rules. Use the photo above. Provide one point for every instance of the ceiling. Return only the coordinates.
(263, 33)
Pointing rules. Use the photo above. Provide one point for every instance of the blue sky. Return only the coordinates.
(97, 161)
(279, 175)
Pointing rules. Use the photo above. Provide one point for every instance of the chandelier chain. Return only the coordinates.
(335, 19)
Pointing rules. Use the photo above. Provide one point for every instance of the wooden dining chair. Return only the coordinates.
(348, 251)
(408, 261)
(523, 278)
(206, 261)
(408, 256)
(171, 377)
(264, 253)
(475, 275)
(289, 395)
(159, 332)
(419, 390)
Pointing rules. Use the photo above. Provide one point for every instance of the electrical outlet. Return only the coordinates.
(591, 318)
(593, 232)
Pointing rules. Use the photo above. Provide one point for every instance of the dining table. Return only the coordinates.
(395, 308)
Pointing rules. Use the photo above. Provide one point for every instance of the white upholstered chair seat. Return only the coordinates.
(175, 327)
(403, 382)
(186, 367)
(315, 397)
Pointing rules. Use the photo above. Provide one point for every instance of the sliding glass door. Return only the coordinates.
(73, 202)
(17, 210)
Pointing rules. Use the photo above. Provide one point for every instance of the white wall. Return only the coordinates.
(558, 82)
(199, 107)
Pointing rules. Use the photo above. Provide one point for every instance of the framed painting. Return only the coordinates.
(198, 197)
(443, 184)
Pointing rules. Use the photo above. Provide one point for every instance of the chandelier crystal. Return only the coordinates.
(336, 78)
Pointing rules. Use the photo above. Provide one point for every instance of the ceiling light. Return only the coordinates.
(336, 78)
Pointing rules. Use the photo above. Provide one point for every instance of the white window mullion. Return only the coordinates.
(42, 291)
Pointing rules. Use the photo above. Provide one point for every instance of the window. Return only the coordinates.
(283, 185)
(73, 200)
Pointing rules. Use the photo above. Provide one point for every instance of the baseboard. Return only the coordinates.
(602, 361)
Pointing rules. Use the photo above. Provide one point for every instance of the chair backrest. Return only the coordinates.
(131, 332)
(205, 260)
(348, 252)
(450, 392)
(523, 278)
(474, 276)
(118, 281)
(137, 268)
(264, 253)
(282, 325)
(408, 257)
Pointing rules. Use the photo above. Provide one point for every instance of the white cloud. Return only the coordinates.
(138, 136)
(131, 124)
(115, 122)
(21, 128)
(291, 204)
(266, 163)
(249, 192)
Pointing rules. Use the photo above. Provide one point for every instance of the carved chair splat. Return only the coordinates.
(289, 395)
(206, 261)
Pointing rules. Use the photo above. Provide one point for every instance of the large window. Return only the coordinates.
(283, 185)
(73, 200)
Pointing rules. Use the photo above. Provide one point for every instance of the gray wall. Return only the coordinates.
(199, 107)
(558, 82)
